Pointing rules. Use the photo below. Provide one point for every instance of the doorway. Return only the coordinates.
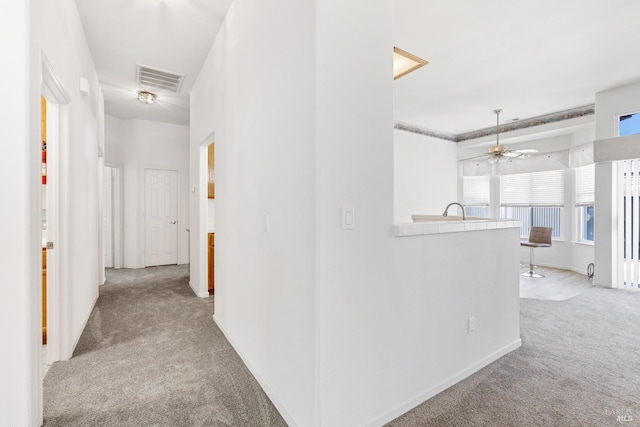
(112, 217)
(43, 212)
(160, 217)
(54, 196)
(107, 216)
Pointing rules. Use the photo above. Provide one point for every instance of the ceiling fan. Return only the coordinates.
(500, 153)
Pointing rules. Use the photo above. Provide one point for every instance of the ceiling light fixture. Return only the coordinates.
(405, 62)
(146, 97)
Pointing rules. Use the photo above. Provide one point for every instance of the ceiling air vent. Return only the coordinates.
(148, 76)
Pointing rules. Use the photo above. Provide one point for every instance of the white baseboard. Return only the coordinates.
(454, 379)
(198, 294)
(524, 264)
(84, 325)
(276, 402)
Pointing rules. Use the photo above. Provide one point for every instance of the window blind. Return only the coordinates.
(533, 189)
(475, 190)
(585, 185)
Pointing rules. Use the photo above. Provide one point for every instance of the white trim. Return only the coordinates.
(201, 236)
(58, 322)
(116, 207)
(268, 391)
(118, 232)
(51, 85)
(143, 199)
(200, 294)
(585, 243)
(454, 379)
(87, 316)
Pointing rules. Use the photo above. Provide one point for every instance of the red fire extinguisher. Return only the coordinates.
(44, 162)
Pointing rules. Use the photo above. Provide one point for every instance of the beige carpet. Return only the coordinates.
(151, 355)
(557, 285)
(577, 367)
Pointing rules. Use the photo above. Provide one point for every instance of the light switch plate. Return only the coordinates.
(265, 223)
(348, 218)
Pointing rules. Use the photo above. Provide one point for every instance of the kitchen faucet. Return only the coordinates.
(446, 210)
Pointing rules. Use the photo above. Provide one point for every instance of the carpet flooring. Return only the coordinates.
(151, 355)
(579, 365)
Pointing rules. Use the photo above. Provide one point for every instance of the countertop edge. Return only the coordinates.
(428, 228)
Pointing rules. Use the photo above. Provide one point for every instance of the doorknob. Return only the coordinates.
(173, 222)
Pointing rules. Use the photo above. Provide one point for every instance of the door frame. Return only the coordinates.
(116, 214)
(58, 339)
(198, 257)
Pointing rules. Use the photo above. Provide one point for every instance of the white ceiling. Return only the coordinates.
(527, 57)
(171, 35)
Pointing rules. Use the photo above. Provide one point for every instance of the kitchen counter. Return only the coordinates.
(438, 224)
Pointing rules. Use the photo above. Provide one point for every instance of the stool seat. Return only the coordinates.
(534, 245)
(539, 237)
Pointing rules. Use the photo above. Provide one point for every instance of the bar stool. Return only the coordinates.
(539, 237)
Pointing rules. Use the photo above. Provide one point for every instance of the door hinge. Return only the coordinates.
(49, 245)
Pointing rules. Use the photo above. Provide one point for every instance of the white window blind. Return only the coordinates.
(475, 190)
(585, 184)
(533, 189)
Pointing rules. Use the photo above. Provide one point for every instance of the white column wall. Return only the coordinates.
(62, 40)
(326, 319)
(20, 393)
(609, 106)
(355, 168)
(29, 30)
(136, 145)
(424, 175)
(256, 95)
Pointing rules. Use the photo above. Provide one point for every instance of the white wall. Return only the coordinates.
(256, 91)
(30, 29)
(138, 144)
(319, 314)
(425, 175)
(62, 41)
(20, 391)
(610, 105)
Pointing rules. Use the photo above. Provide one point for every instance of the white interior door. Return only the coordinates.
(107, 221)
(161, 217)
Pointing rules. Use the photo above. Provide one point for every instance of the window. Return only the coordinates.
(475, 195)
(629, 124)
(585, 197)
(536, 199)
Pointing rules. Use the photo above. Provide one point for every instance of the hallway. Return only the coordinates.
(152, 355)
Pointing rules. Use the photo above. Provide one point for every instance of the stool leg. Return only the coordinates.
(531, 272)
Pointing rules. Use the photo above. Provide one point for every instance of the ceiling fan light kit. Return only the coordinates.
(502, 153)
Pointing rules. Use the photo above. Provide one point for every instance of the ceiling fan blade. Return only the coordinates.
(526, 151)
(512, 154)
(476, 157)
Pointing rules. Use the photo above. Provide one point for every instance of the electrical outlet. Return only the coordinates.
(265, 222)
(471, 325)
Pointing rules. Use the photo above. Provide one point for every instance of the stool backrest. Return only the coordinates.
(540, 235)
